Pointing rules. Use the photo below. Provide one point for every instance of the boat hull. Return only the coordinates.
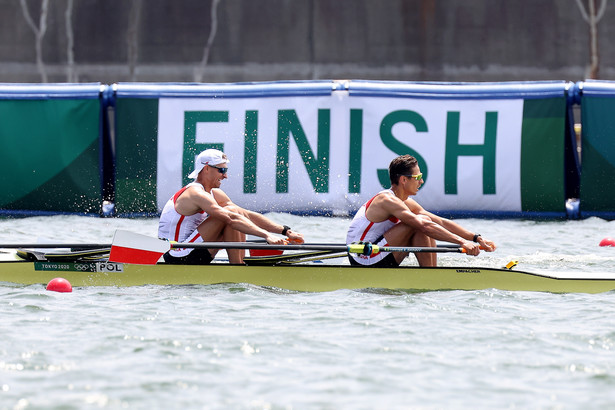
(316, 277)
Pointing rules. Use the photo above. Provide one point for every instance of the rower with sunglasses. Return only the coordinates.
(202, 212)
(392, 218)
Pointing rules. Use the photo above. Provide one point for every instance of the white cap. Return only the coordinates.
(208, 157)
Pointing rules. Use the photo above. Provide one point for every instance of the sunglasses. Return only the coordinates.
(418, 177)
(220, 170)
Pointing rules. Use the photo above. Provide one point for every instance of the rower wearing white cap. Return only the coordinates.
(202, 212)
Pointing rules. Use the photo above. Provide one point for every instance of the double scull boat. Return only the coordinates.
(295, 273)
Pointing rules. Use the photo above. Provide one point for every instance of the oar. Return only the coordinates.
(55, 245)
(252, 244)
(314, 258)
(297, 257)
(440, 245)
(130, 247)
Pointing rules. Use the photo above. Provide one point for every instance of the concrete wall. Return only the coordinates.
(257, 40)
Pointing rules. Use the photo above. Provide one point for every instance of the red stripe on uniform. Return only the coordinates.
(368, 203)
(366, 230)
(178, 228)
(178, 193)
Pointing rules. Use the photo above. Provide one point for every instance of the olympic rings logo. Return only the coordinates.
(99, 267)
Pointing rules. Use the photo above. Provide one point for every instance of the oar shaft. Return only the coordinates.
(366, 249)
(248, 245)
(418, 249)
(352, 248)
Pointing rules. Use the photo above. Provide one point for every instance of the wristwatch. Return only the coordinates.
(285, 230)
(475, 239)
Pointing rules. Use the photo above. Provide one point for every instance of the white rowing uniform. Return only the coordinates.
(362, 229)
(174, 226)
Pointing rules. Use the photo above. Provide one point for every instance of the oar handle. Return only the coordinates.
(451, 245)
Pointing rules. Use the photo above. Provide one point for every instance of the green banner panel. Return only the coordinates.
(136, 155)
(542, 155)
(598, 154)
(50, 156)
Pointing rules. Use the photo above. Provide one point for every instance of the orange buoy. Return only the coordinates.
(59, 285)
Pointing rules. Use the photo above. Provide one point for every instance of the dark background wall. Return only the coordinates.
(257, 40)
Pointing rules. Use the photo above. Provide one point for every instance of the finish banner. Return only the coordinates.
(328, 154)
(332, 154)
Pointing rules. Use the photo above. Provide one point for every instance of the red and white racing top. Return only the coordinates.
(180, 228)
(362, 229)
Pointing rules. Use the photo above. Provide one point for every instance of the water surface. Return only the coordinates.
(246, 347)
